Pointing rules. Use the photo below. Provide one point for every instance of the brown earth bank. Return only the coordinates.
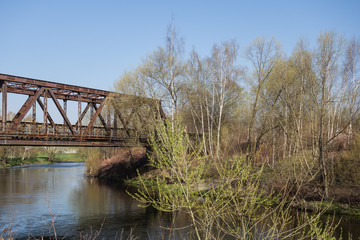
(125, 164)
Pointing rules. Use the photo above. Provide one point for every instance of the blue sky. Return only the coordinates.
(91, 43)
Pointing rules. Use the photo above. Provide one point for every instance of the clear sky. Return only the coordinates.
(91, 43)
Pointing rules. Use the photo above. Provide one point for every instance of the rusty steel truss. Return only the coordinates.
(107, 125)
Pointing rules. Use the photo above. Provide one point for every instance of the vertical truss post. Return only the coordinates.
(82, 115)
(93, 119)
(115, 124)
(91, 113)
(48, 115)
(33, 117)
(65, 111)
(102, 118)
(4, 105)
(109, 121)
(79, 113)
(45, 112)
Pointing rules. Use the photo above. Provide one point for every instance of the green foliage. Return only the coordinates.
(15, 156)
(51, 153)
(69, 157)
(228, 203)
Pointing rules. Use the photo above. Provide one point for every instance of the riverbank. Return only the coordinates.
(43, 158)
(344, 200)
(344, 197)
(125, 163)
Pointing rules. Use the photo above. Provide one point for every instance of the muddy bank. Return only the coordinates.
(125, 164)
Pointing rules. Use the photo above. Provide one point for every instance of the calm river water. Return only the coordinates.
(81, 206)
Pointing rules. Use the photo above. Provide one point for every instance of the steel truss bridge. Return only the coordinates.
(113, 119)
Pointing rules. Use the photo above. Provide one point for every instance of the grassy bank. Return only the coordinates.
(329, 207)
(43, 158)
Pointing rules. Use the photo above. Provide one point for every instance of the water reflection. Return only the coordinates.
(78, 203)
(81, 204)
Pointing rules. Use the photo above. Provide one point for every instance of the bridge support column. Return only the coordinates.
(4, 105)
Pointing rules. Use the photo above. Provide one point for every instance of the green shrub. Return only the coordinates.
(93, 162)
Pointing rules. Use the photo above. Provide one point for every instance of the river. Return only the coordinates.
(81, 206)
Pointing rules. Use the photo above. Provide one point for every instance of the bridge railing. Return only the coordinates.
(61, 130)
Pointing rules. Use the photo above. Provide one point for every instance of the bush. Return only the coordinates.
(232, 205)
(93, 162)
(347, 166)
(295, 172)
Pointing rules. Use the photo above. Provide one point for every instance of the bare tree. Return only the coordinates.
(212, 92)
(327, 55)
(224, 72)
(196, 95)
(351, 80)
(263, 55)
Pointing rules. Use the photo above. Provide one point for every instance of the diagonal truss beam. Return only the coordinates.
(82, 115)
(63, 114)
(25, 108)
(93, 119)
(124, 123)
(41, 104)
(102, 120)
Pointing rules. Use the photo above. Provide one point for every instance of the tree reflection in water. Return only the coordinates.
(80, 204)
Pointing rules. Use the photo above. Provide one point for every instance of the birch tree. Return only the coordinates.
(224, 72)
(160, 74)
(351, 80)
(196, 95)
(326, 66)
(263, 55)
